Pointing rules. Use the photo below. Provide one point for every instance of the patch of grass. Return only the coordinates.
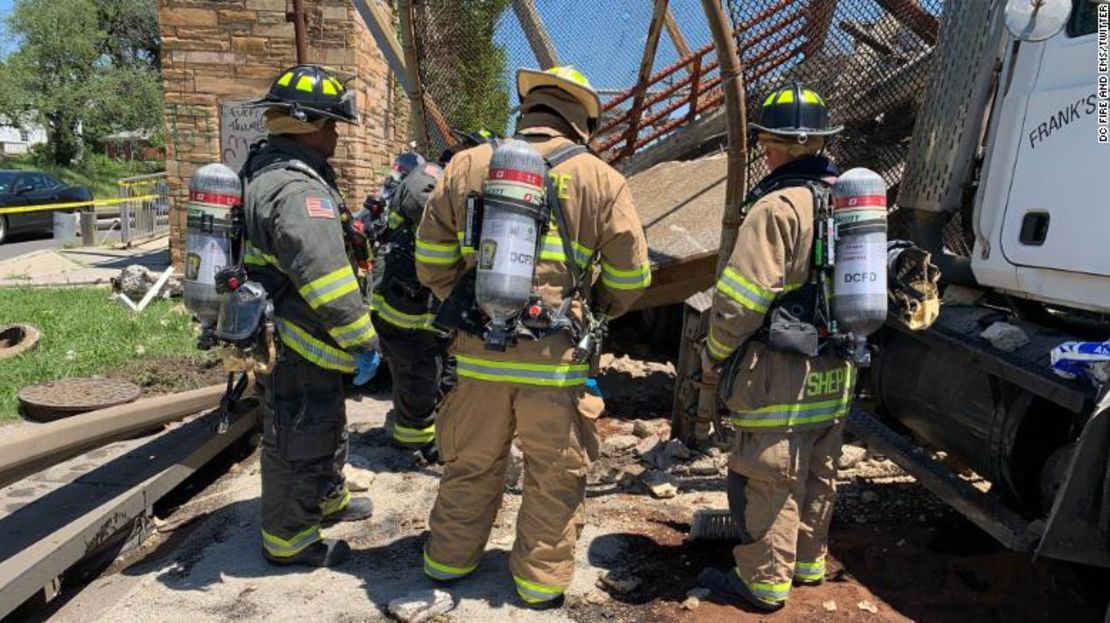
(84, 333)
(97, 172)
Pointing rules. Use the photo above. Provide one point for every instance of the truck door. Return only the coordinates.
(1058, 210)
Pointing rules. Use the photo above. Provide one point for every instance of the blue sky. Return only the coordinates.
(5, 44)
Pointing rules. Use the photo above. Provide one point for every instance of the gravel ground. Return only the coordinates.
(897, 553)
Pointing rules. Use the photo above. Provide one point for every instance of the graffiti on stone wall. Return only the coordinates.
(240, 127)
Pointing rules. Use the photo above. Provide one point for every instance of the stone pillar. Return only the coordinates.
(214, 53)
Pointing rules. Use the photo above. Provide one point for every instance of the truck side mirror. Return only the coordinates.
(1036, 20)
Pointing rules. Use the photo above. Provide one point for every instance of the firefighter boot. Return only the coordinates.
(322, 553)
(352, 509)
(728, 588)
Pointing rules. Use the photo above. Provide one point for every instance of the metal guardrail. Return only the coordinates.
(146, 209)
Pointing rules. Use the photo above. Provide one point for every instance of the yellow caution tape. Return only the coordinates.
(76, 204)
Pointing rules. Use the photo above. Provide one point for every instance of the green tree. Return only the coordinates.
(82, 70)
(462, 66)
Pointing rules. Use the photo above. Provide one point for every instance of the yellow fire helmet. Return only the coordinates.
(566, 78)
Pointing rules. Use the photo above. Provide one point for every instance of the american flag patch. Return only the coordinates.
(319, 207)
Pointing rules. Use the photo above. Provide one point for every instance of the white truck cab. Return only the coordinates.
(1042, 211)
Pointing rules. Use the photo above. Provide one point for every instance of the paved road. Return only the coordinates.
(25, 243)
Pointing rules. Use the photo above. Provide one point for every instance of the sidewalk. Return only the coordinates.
(83, 266)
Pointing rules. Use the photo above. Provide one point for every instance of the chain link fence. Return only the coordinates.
(870, 59)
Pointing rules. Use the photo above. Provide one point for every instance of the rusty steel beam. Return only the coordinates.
(761, 66)
(26, 451)
(820, 18)
(536, 33)
(749, 23)
(300, 32)
(657, 76)
(912, 16)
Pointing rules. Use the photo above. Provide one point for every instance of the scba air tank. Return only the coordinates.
(213, 194)
(513, 211)
(859, 298)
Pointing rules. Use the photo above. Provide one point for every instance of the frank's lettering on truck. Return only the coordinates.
(1063, 117)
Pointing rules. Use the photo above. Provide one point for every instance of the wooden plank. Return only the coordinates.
(536, 33)
(677, 282)
(647, 61)
(675, 33)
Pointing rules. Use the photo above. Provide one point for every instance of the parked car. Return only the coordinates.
(29, 188)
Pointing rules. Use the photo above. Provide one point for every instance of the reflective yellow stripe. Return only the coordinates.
(404, 434)
(331, 286)
(437, 253)
(464, 249)
(254, 257)
(554, 251)
(810, 571)
(395, 220)
(285, 79)
(337, 503)
(285, 548)
(306, 83)
(797, 414)
(786, 96)
(328, 87)
(717, 349)
(313, 349)
(533, 592)
(552, 375)
(440, 571)
(354, 334)
(400, 319)
(745, 292)
(622, 279)
(764, 590)
(811, 97)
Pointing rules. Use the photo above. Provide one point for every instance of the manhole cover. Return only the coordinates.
(17, 338)
(59, 399)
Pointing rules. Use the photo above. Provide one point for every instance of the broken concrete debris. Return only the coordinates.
(617, 583)
(619, 444)
(1005, 336)
(867, 606)
(850, 456)
(421, 606)
(358, 479)
(661, 484)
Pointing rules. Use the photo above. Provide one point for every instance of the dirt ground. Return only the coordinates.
(894, 548)
(166, 375)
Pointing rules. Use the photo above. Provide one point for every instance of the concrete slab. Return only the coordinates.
(87, 266)
(680, 204)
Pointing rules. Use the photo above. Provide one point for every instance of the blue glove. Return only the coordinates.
(591, 386)
(366, 366)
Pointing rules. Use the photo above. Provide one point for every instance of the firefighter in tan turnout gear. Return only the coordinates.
(295, 249)
(533, 388)
(788, 408)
